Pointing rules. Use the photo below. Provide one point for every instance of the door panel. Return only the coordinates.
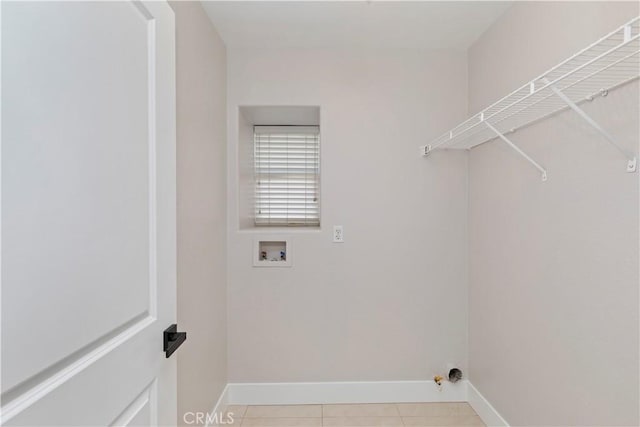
(88, 397)
(141, 411)
(88, 212)
(79, 175)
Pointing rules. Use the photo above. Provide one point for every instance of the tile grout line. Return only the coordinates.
(322, 415)
(398, 409)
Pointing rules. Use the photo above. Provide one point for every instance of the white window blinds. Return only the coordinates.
(287, 175)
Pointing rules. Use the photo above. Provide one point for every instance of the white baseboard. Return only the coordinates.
(344, 392)
(487, 412)
(220, 405)
(358, 392)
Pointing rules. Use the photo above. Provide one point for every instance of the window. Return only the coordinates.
(287, 175)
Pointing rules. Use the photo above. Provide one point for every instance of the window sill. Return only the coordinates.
(279, 230)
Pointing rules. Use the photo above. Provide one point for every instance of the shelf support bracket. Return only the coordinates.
(542, 170)
(631, 159)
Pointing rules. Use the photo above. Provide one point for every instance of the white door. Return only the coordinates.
(88, 213)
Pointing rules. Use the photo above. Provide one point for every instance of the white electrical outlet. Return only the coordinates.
(338, 234)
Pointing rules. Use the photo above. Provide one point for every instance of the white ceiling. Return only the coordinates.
(361, 24)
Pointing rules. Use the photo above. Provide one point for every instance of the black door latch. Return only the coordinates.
(173, 339)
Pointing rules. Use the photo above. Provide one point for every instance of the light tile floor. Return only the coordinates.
(361, 415)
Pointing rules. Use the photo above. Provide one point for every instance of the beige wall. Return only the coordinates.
(553, 301)
(201, 154)
(390, 302)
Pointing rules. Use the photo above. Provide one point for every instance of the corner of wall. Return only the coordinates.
(202, 217)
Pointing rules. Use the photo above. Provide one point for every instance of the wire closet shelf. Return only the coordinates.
(612, 61)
